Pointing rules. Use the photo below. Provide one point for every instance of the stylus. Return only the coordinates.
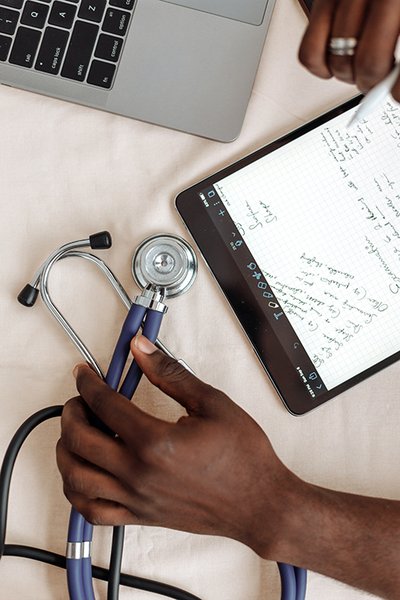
(376, 96)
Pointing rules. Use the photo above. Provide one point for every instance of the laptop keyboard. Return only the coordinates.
(77, 39)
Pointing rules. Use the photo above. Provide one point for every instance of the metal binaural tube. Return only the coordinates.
(66, 251)
(44, 292)
(41, 277)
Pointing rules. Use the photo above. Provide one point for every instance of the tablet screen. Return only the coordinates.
(312, 225)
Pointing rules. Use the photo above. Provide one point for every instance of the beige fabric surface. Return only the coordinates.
(66, 171)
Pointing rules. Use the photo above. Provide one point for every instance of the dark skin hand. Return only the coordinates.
(215, 472)
(376, 26)
(175, 474)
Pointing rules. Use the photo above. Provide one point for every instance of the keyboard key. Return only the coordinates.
(116, 21)
(108, 47)
(8, 20)
(12, 3)
(51, 50)
(127, 4)
(79, 51)
(34, 14)
(24, 47)
(92, 10)
(101, 74)
(5, 44)
(62, 14)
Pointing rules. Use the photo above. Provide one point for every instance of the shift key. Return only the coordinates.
(80, 50)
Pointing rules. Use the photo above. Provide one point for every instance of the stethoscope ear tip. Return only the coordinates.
(101, 240)
(28, 295)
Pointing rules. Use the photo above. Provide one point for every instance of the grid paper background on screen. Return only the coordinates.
(321, 217)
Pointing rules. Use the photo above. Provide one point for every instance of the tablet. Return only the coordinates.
(303, 238)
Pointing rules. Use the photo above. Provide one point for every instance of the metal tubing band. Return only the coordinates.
(78, 550)
(151, 303)
(152, 297)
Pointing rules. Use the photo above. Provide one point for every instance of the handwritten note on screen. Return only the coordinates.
(321, 217)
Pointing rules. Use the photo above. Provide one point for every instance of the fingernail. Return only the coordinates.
(76, 369)
(144, 344)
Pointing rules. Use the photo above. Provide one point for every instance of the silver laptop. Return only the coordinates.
(184, 64)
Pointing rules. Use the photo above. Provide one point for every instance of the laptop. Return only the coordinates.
(184, 64)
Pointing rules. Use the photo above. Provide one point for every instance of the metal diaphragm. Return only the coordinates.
(166, 261)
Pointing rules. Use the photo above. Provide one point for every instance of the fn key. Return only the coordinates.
(101, 74)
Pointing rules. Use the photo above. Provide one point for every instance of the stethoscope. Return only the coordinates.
(164, 266)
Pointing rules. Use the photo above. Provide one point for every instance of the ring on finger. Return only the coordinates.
(342, 46)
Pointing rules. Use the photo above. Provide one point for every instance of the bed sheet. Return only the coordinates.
(67, 171)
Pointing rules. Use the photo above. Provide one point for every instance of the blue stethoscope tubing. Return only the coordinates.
(79, 570)
(293, 582)
(80, 532)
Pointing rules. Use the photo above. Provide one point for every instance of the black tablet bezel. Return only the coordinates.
(235, 285)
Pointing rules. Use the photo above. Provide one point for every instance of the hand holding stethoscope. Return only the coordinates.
(164, 266)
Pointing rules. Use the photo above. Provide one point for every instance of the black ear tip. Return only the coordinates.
(28, 295)
(101, 240)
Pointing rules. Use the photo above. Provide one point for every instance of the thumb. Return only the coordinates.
(197, 397)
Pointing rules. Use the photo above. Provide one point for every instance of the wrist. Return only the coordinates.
(296, 505)
(298, 516)
(278, 533)
(347, 537)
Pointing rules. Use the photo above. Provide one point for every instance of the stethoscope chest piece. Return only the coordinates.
(166, 261)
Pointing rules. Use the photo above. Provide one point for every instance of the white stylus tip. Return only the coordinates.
(354, 119)
(361, 112)
(375, 96)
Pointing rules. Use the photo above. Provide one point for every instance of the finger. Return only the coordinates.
(396, 90)
(347, 23)
(173, 379)
(375, 52)
(101, 512)
(88, 480)
(313, 48)
(88, 442)
(120, 415)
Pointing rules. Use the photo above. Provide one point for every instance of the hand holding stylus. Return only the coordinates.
(375, 97)
(353, 41)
